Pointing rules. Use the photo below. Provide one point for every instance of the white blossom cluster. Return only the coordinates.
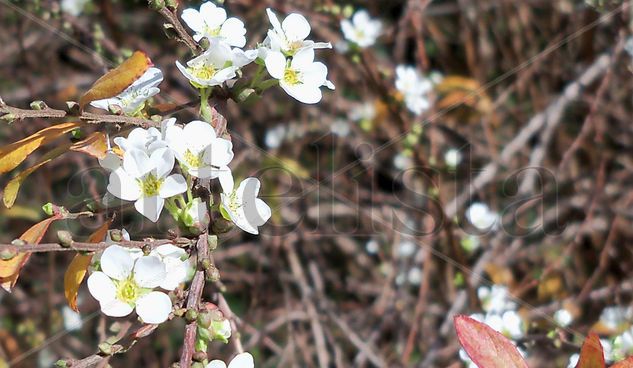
(415, 87)
(499, 313)
(361, 30)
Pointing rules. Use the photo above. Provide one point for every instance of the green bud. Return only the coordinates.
(212, 274)
(191, 315)
(205, 264)
(18, 242)
(171, 4)
(156, 4)
(65, 238)
(61, 363)
(204, 319)
(116, 235)
(9, 118)
(7, 254)
(76, 133)
(197, 365)
(38, 105)
(105, 348)
(48, 209)
(180, 312)
(199, 356)
(213, 242)
(245, 94)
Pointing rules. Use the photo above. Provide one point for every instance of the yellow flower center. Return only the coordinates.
(127, 291)
(292, 76)
(234, 204)
(150, 185)
(203, 71)
(212, 31)
(193, 160)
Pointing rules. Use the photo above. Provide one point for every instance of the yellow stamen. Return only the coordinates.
(150, 185)
(292, 76)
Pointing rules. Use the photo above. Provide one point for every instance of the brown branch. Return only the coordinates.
(193, 302)
(47, 113)
(77, 246)
(183, 36)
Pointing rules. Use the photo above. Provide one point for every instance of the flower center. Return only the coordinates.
(127, 291)
(193, 160)
(203, 71)
(292, 76)
(150, 185)
(234, 203)
(214, 32)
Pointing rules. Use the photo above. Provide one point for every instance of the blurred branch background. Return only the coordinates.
(369, 252)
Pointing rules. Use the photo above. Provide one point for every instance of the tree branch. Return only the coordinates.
(77, 246)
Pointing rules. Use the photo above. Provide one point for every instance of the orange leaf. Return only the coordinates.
(117, 79)
(486, 347)
(626, 363)
(95, 145)
(79, 266)
(591, 355)
(12, 155)
(10, 269)
(13, 186)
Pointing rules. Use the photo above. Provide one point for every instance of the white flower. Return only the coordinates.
(414, 87)
(563, 317)
(480, 215)
(406, 248)
(175, 267)
(215, 66)
(125, 284)
(402, 162)
(144, 179)
(198, 149)
(372, 246)
(275, 136)
(111, 161)
(197, 214)
(73, 7)
(146, 140)
(614, 317)
(242, 205)
(365, 111)
(452, 157)
(415, 276)
(361, 30)
(623, 344)
(72, 319)
(211, 22)
(495, 299)
(290, 35)
(133, 98)
(301, 77)
(243, 360)
(509, 324)
(573, 361)
(340, 128)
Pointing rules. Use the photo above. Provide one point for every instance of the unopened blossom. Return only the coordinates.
(145, 179)
(372, 246)
(125, 284)
(301, 77)
(289, 36)
(242, 205)
(452, 157)
(242, 360)
(414, 87)
(563, 318)
(133, 98)
(211, 22)
(200, 152)
(215, 66)
(146, 140)
(361, 30)
(176, 265)
(482, 217)
(402, 161)
(275, 136)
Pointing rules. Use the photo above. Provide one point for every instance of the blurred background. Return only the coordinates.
(508, 198)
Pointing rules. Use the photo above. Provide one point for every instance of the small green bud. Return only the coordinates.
(105, 348)
(205, 264)
(197, 365)
(116, 235)
(180, 312)
(204, 319)
(171, 4)
(9, 118)
(199, 356)
(8, 254)
(61, 363)
(48, 209)
(18, 242)
(38, 105)
(157, 4)
(213, 242)
(245, 94)
(65, 238)
(191, 315)
(212, 274)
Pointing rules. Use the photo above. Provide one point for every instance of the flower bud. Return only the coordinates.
(38, 105)
(191, 315)
(9, 118)
(105, 348)
(212, 274)
(204, 319)
(157, 4)
(48, 208)
(65, 238)
(213, 242)
(116, 235)
(7, 254)
(171, 4)
(199, 356)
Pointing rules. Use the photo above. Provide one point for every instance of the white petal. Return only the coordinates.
(173, 184)
(105, 103)
(243, 360)
(149, 271)
(304, 58)
(315, 74)
(111, 161)
(123, 186)
(296, 27)
(198, 135)
(226, 179)
(184, 71)
(150, 207)
(176, 273)
(307, 94)
(101, 287)
(263, 211)
(194, 20)
(220, 153)
(136, 163)
(162, 161)
(168, 250)
(233, 32)
(276, 64)
(116, 262)
(115, 308)
(213, 16)
(154, 307)
(216, 364)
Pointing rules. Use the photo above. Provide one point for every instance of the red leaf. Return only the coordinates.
(626, 363)
(591, 355)
(486, 347)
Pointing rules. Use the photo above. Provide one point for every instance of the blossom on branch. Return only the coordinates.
(301, 77)
(211, 22)
(242, 205)
(132, 100)
(243, 360)
(361, 30)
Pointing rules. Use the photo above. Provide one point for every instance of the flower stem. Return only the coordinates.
(258, 76)
(205, 109)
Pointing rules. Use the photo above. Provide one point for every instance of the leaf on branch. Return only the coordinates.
(13, 187)
(10, 269)
(591, 355)
(78, 267)
(13, 154)
(117, 79)
(95, 145)
(486, 347)
(626, 363)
